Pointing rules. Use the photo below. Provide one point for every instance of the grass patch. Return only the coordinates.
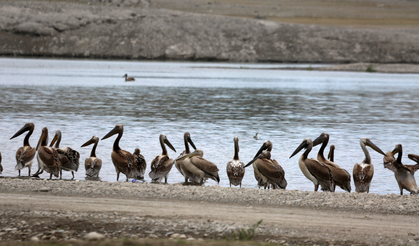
(370, 69)
(246, 235)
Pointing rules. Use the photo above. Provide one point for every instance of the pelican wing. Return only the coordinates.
(272, 171)
(206, 166)
(160, 166)
(69, 159)
(140, 165)
(24, 156)
(341, 177)
(92, 166)
(318, 170)
(414, 158)
(50, 159)
(123, 159)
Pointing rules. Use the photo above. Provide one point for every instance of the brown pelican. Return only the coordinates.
(331, 155)
(235, 168)
(268, 171)
(25, 154)
(69, 158)
(179, 164)
(140, 165)
(123, 160)
(364, 172)
(315, 171)
(199, 166)
(404, 174)
(48, 158)
(162, 164)
(341, 177)
(92, 164)
(128, 79)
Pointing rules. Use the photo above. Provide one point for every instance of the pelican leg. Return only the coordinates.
(72, 172)
(316, 187)
(117, 176)
(19, 173)
(29, 172)
(50, 176)
(61, 174)
(165, 179)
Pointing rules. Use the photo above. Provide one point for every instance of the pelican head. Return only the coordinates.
(187, 138)
(267, 145)
(43, 140)
(163, 139)
(197, 152)
(57, 138)
(304, 145)
(367, 142)
(93, 140)
(118, 129)
(27, 127)
(264, 154)
(320, 139)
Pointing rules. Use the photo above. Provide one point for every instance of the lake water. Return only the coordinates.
(214, 102)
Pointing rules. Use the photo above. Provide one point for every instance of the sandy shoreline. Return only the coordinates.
(212, 212)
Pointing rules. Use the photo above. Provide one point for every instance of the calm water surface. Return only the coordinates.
(214, 102)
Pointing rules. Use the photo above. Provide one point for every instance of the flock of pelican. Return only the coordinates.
(196, 169)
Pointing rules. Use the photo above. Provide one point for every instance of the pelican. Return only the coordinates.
(128, 79)
(364, 172)
(69, 158)
(140, 165)
(25, 154)
(123, 160)
(341, 177)
(331, 155)
(404, 174)
(268, 171)
(179, 164)
(48, 158)
(315, 171)
(162, 164)
(92, 165)
(235, 168)
(199, 166)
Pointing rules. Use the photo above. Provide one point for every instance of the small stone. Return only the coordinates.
(183, 236)
(190, 239)
(92, 236)
(44, 189)
(175, 235)
(35, 239)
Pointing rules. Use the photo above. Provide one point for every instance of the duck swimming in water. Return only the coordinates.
(128, 79)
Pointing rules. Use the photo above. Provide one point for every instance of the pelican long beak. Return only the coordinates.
(114, 131)
(195, 153)
(303, 145)
(254, 159)
(318, 140)
(91, 141)
(373, 146)
(414, 157)
(169, 144)
(54, 140)
(264, 147)
(25, 128)
(44, 135)
(191, 143)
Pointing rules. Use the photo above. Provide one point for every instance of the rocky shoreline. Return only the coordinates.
(62, 29)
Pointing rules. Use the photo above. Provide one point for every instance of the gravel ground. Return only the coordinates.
(23, 224)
